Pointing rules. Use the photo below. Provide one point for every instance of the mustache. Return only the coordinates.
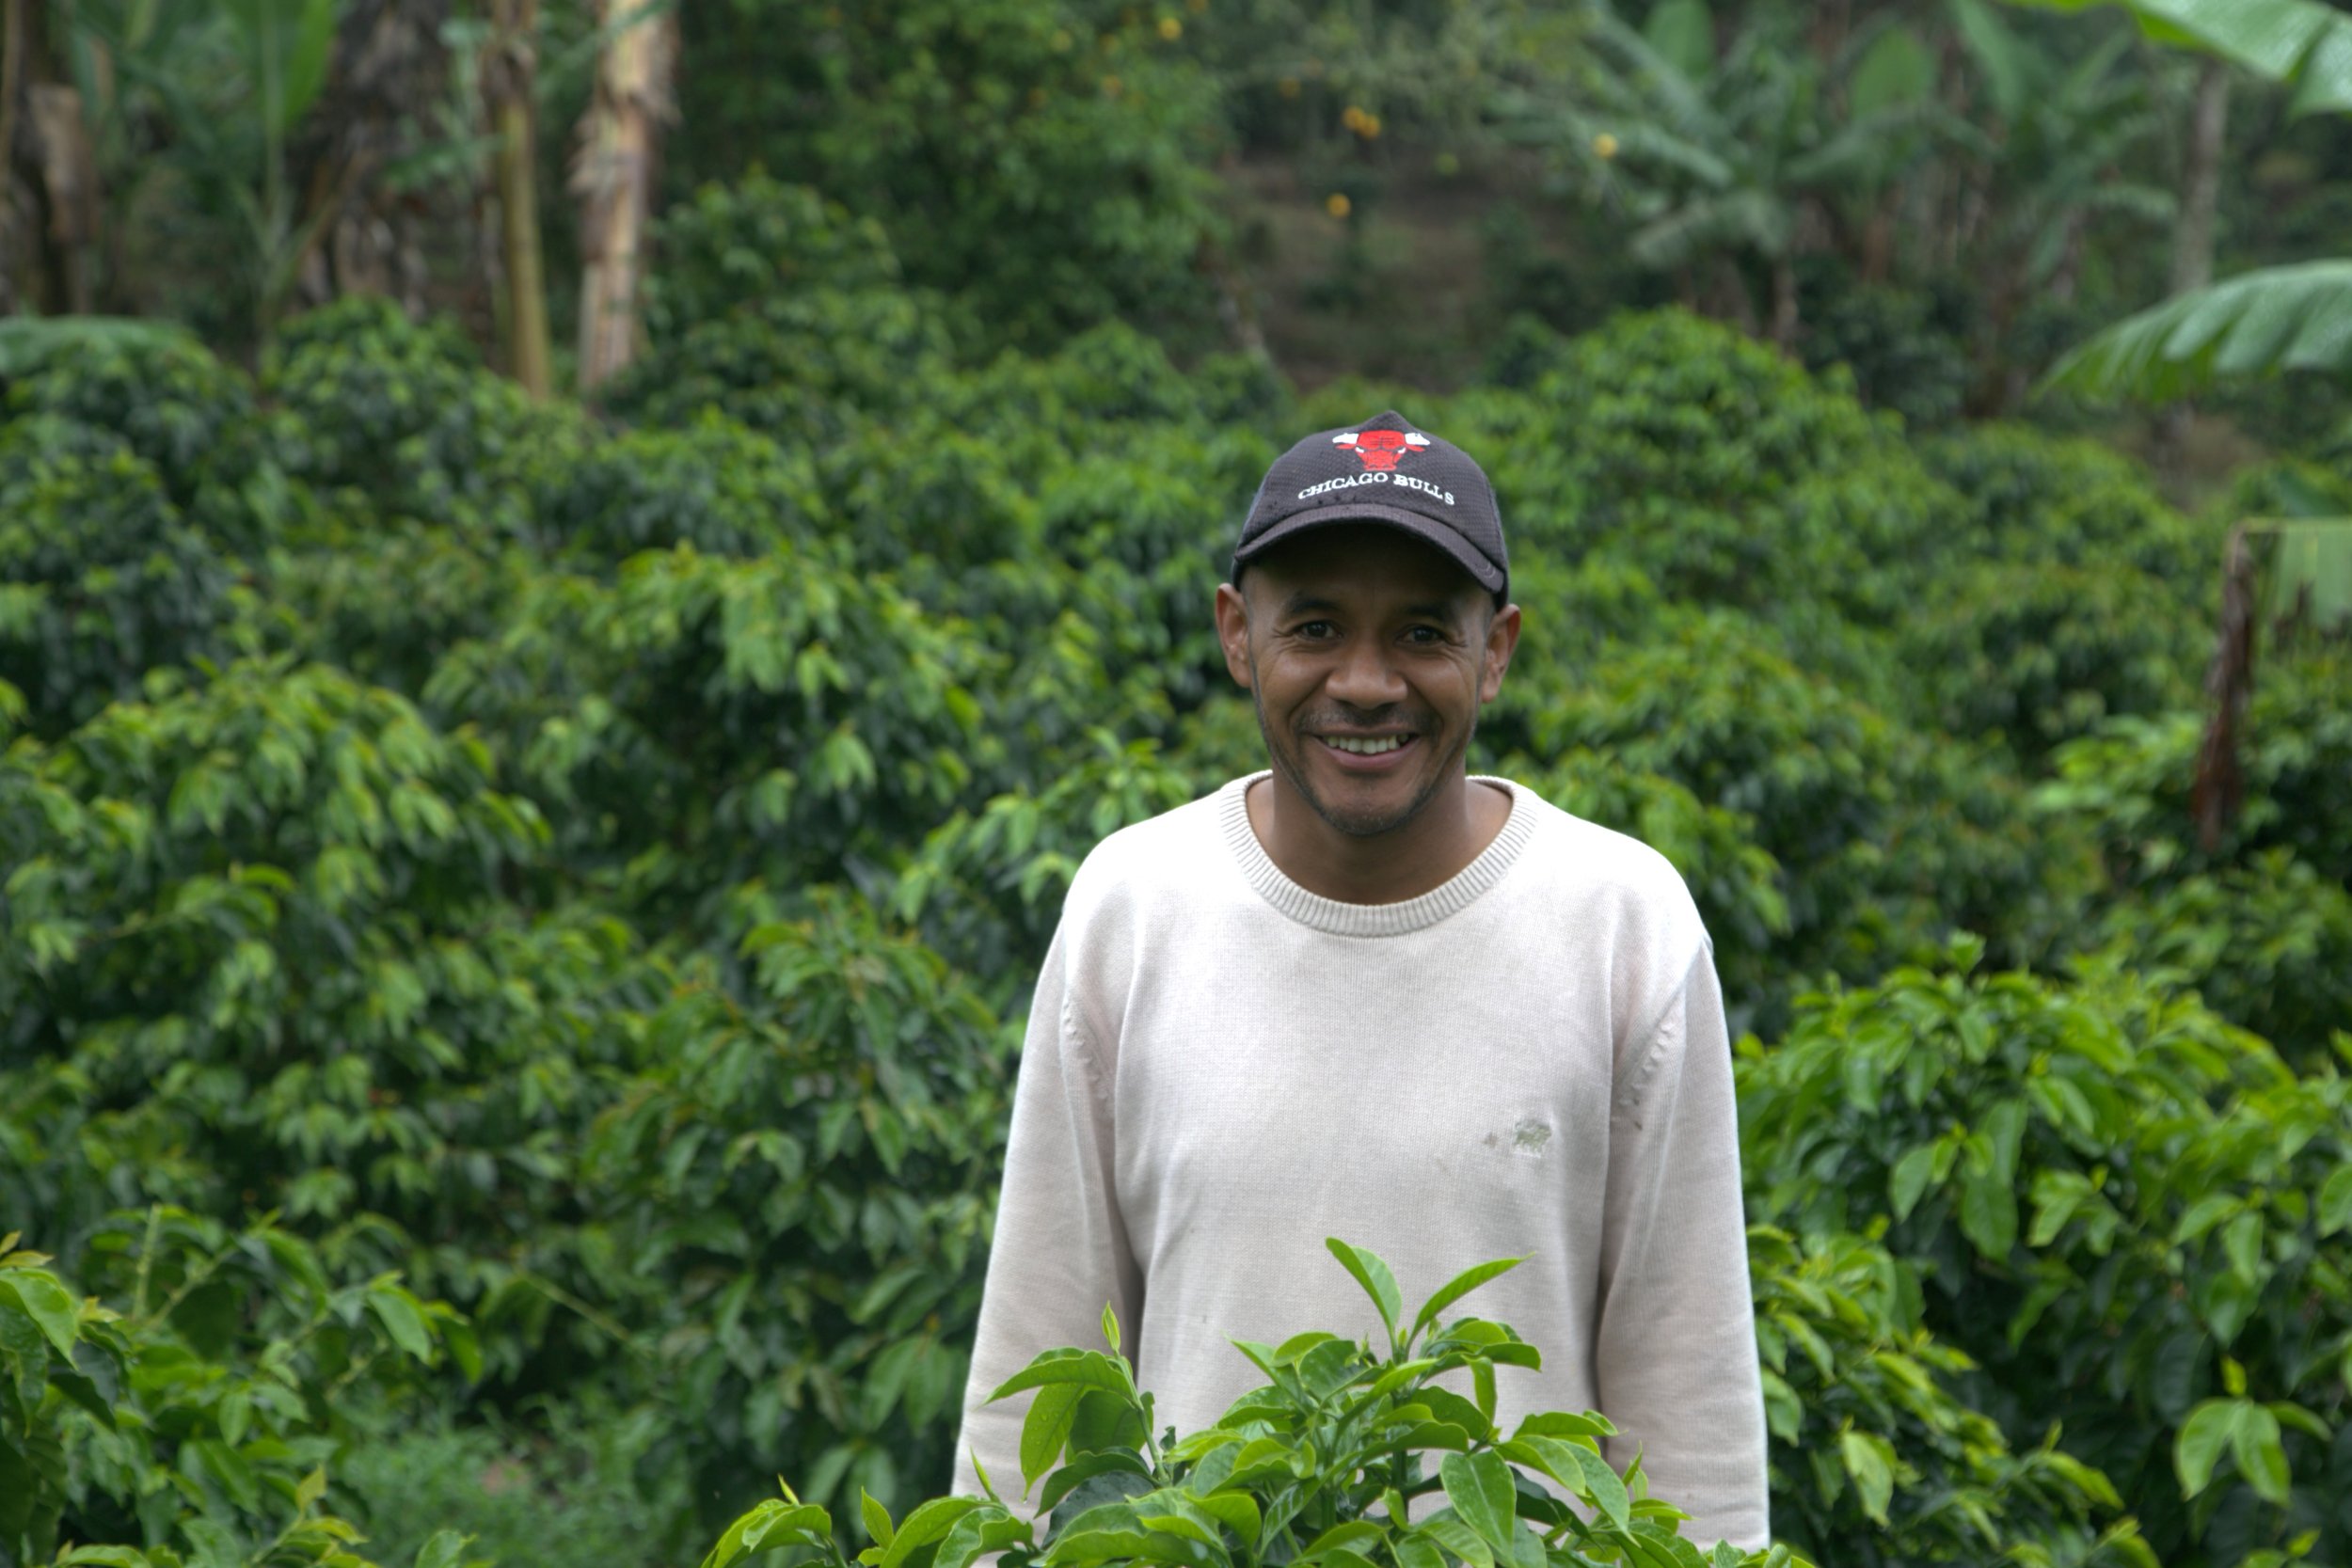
(1344, 717)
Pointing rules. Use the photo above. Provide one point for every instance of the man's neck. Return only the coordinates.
(1450, 831)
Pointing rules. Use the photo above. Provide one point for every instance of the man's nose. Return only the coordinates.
(1364, 676)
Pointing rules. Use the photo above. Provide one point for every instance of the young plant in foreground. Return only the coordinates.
(1348, 1457)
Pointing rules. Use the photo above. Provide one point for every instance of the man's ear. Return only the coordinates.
(1503, 640)
(1232, 633)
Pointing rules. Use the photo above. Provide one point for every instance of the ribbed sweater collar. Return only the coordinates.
(1455, 893)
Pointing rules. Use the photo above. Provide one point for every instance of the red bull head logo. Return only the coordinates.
(1381, 448)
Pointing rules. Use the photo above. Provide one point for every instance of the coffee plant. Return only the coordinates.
(1352, 1455)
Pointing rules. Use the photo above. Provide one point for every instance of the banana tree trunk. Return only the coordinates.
(510, 85)
(2201, 182)
(614, 175)
(45, 144)
(2193, 236)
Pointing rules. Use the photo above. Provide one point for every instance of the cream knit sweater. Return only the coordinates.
(1222, 1069)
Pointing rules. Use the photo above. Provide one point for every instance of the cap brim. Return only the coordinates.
(1482, 571)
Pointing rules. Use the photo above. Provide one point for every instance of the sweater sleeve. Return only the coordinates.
(1060, 1251)
(1675, 1355)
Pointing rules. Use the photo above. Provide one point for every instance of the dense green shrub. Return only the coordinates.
(595, 1491)
(987, 884)
(1716, 466)
(2038, 654)
(1875, 1458)
(102, 579)
(250, 928)
(2125, 1211)
(195, 1423)
(2268, 944)
(1886, 838)
(1905, 348)
(2131, 781)
(403, 413)
(713, 484)
(802, 1179)
(695, 720)
(172, 403)
(2028, 496)
(326, 603)
(1046, 163)
(733, 245)
(796, 365)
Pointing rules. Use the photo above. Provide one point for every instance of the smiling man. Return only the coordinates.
(1365, 994)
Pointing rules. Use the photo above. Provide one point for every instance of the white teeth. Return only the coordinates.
(1364, 747)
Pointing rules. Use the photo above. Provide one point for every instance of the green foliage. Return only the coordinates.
(100, 576)
(2130, 782)
(594, 871)
(169, 401)
(248, 926)
(594, 1492)
(1044, 162)
(1903, 347)
(801, 1176)
(753, 240)
(1831, 785)
(401, 415)
(1324, 1465)
(1718, 466)
(2119, 1204)
(2038, 654)
(2259, 322)
(194, 1426)
(1874, 1454)
(698, 720)
(714, 485)
(2028, 498)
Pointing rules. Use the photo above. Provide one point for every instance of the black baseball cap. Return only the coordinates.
(1384, 470)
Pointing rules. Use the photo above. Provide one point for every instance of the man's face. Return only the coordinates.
(1368, 653)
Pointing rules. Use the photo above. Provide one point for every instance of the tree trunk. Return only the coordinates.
(389, 57)
(2201, 180)
(2193, 237)
(12, 35)
(48, 155)
(1784, 304)
(1735, 302)
(1878, 237)
(509, 83)
(612, 176)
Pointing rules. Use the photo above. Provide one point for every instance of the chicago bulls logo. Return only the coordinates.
(1381, 448)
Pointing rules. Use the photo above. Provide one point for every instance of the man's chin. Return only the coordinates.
(1370, 819)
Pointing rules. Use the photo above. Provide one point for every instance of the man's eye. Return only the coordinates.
(1316, 628)
(1424, 635)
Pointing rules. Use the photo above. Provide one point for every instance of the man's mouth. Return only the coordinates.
(1366, 745)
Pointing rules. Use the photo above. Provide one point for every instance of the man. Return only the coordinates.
(1365, 994)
